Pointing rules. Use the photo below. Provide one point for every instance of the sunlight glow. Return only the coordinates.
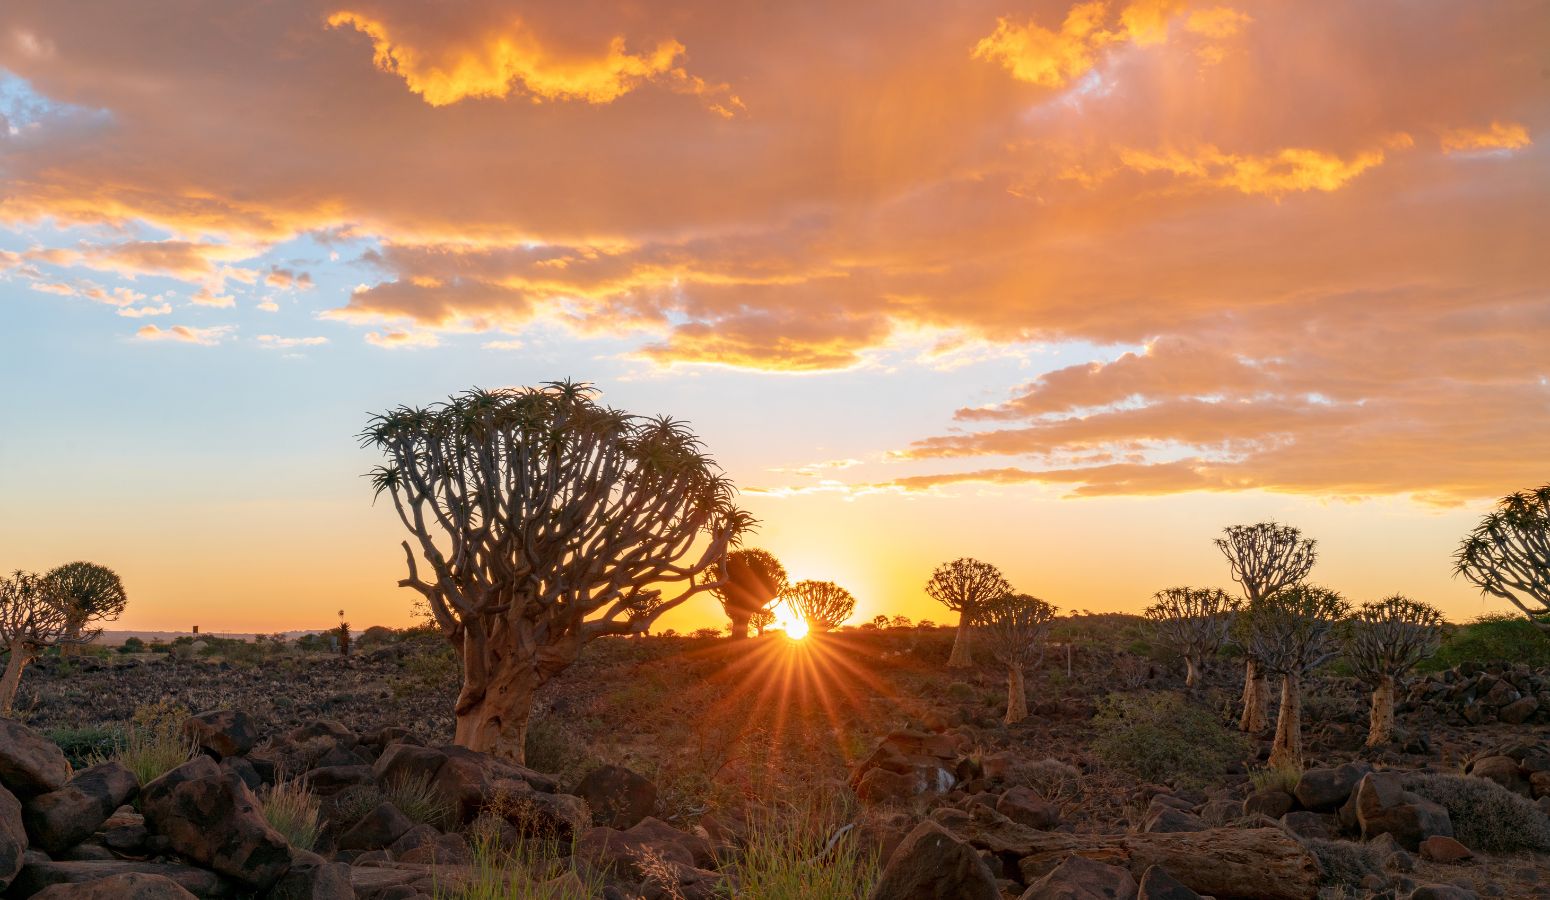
(791, 623)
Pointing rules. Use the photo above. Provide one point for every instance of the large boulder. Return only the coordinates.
(617, 797)
(311, 877)
(13, 838)
(29, 762)
(467, 781)
(223, 732)
(1080, 878)
(63, 818)
(1383, 806)
(932, 864)
(213, 819)
(124, 886)
(1024, 806)
(1504, 771)
(377, 829)
(1326, 790)
(1157, 884)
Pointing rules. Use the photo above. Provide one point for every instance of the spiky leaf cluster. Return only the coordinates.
(965, 584)
(1266, 557)
(1390, 637)
(91, 592)
(1508, 553)
(1194, 622)
(824, 605)
(1016, 627)
(1293, 631)
(32, 616)
(753, 578)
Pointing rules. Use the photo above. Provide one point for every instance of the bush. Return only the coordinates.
(291, 809)
(1496, 636)
(418, 800)
(1052, 779)
(91, 742)
(132, 645)
(1344, 863)
(1160, 737)
(552, 747)
(1485, 815)
(352, 804)
(1281, 778)
(154, 743)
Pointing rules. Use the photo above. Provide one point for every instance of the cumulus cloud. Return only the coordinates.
(187, 334)
(1496, 136)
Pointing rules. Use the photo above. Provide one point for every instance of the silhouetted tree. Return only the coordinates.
(761, 620)
(1386, 640)
(823, 605)
(32, 618)
(547, 520)
(1193, 622)
(1291, 633)
(92, 593)
(964, 585)
(1265, 557)
(1016, 627)
(1508, 554)
(753, 579)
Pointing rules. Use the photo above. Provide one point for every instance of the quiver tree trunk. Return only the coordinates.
(740, 619)
(1256, 700)
(1191, 671)
(492, 712)
(1286, 751)
(963, 653)
(1016, 695)
(1380, 729)
(21, 655)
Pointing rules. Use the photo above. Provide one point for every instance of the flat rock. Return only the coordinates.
(125, 886)
(40, 874)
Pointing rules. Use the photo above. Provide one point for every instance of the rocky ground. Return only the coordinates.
(865, 730)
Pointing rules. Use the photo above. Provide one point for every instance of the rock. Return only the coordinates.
(213, 819)
(617, 797)
(932, 864)
(1325, 790)
(1166, 819)
(1503, 770)
(1442, 892)
(449, 849)
(326, 781)
(1441, 849)
(1157, 884)
(880, 785)
(125, 886)
(40, 874)
(550, 816)
(467, 781)
(311, 877)
(1384, 806)
(13, 838)
(1519, 711)
(1272, 804)
(240, 767)
(29, 763)
(1024, 806)
(658, 833)
(377, 829)
(222, 733)
(1080, 878)
(1307, 824)
(64, 818)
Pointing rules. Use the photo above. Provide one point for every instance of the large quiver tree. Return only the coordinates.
(546, 520)
(823, 605)
(32, 618)
(1016, 627)
(90, 593)
(1508, 554)
(1265, 557)
(1193, 622)
(964, 586)
(1386, 640)
(1291, 633)
(753, 579)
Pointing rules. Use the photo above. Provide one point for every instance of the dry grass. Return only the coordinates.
(291, 809)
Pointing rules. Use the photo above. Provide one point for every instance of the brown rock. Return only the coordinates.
(1080, 878)
(311, 877)
(213, 819)
(1157, 884)
(64, 818)
(40, 874)
(1503, 770)
(126, 886)
(223, 733)
(617, 797)
(13, 838)
(29, 763)
(932, 864)
(1024, 806)
(377, 829)
(1270, 803)
(1441, 849)
(1384, 806)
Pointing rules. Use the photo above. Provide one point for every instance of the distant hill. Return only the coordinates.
(114, 638)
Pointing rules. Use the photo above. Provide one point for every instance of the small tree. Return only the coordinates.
(761, 620)
(1508, 554)
(1016, 627)
(91, 593)
(879, 622)
(547, 521)
(964, 585)
(1265, 557)
(1291, 633)
(1388, 639)
(32, 618)
(1193, 622)
(823, 605)
(753, 578)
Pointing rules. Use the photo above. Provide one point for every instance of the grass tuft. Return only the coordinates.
(417, 799)
(291, 809)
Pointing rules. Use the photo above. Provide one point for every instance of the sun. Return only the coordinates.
(794, 626)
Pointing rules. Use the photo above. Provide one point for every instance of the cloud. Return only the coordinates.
(1499, 136)
(205, 337)
(502, 345)
(1286, 171)
(287, 279)
(395, 340)
(141, 312)
(275, 341)
(206, 296)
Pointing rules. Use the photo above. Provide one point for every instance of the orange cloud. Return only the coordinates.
(1286, 171)
(1499, 136)
(1044, 56)
(205, 337)
(395, 340)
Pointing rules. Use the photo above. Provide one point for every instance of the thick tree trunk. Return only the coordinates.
(740, 619)
(12, 679)
(1286, 751)
(1191, 672)
(492, 711)
(1380, 728)
(1256, 700)
(963, 655)
(1016, 695)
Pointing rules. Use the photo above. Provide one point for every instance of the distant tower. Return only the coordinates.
(196, 629)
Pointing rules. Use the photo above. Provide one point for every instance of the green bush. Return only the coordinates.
(132, 645)
(1160, 737)
(91, 742)
(1496, 636)
(1485, 815)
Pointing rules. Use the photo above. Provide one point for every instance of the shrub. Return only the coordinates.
(154, 742)
(1159, 737)
(552, 747)
(1343, 863)
(90, 742)
(1052, 779)
(1276, 778)
(291, 809)
(1495, 636)
(1485, 815)
(417, 799)
(805, 854)
(132, 645)
(351, 804)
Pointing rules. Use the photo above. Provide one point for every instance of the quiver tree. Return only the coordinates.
(1264, 557)
(546, 520)
(1193, 622)
(823, 605)
(1508, 554)
(964, 585)
(753, 579)
(1386, 640)
(761, 620)
(90, 594)
(1291, 633)
(32, 618)
(1016, 627)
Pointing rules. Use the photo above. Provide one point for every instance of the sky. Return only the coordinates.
(1068, 287)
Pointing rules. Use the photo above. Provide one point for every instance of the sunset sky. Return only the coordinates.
(1065, 287)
